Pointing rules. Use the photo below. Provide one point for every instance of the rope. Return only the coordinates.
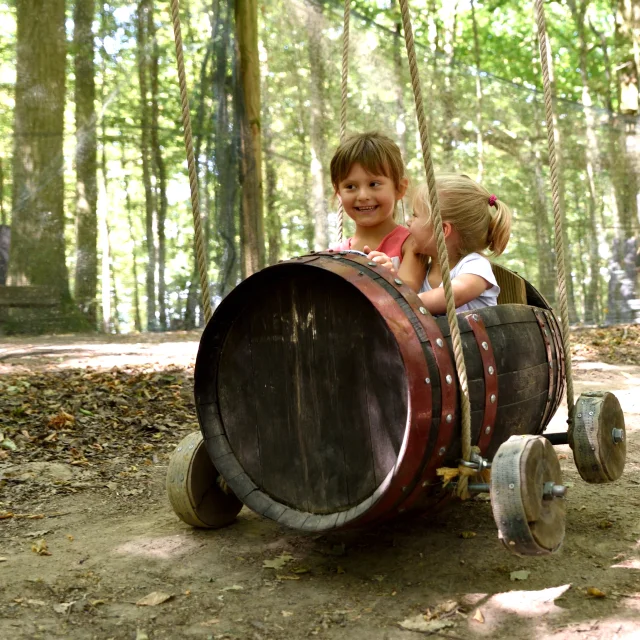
(201, 256)
(343, 99)
(557, 204)
(443, 256)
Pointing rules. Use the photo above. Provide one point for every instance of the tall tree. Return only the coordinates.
(86, 160)
(38, 251)
(248, 108)
(144, 7)
(317, 128)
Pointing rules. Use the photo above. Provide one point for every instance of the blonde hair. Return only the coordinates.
(375, 152)
(466, 205)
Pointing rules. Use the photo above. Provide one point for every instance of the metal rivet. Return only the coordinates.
(579, 415)
(512, 486)
(439, 342)
(425, 483)
(487, 430)
(441, 451)
(449, 418)
(401, 510)
(493, 398)
(404, 489)
(449, 379)
(360, 273)
(485, 346)
(343, 253)
(617, 435)
(490, 370)
(397, 281)
(179, 449)
(475, 317)
(372, 264)
(191, 446)
(427, 380)
(546, 333)
(336, 257)
(551, 365)
(423, 311)
(590, 413)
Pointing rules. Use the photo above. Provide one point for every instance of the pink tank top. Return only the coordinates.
(391, 244)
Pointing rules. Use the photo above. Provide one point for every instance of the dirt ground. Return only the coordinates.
(86, 530)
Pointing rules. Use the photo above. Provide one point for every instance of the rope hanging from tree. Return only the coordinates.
(558, 207)
(201, 256)
(443, 256)
(343, 99)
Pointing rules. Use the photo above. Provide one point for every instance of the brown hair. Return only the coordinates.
(465, 204)
(378, 155)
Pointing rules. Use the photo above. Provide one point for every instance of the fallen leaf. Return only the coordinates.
(154, 598)
(41, 548)
(468, 534)
(279, 577)
(210, 623)
(278, 562)
(478, 617)
(605, 524)
(340, 570)
(301, 570)
(519, 575)
(287, 614)
(233, 587)
(62, 607)
(596, 593)
(418, 623)
(69, 537)
(141, 634)
(447, 474)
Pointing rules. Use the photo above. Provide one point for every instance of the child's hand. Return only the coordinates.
(380, 258)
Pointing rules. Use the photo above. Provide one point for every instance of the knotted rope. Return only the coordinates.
(343, 99)
(443, 256)
(201, 256)
(558, 204)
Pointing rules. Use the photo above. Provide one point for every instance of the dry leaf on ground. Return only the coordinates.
(596, 593)
(154, 598)
(277, 563)
(418, 623)
(478, 617)
(520, 575)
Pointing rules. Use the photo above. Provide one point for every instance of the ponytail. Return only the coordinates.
(499, 227)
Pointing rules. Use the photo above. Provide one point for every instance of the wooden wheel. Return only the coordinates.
(193, 487)
(598, 438)
(527, 496)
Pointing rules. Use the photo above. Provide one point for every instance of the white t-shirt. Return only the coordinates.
(479, 266)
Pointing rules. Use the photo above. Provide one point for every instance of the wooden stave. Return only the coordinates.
(368, 510)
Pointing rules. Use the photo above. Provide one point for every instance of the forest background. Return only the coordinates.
(94, 189)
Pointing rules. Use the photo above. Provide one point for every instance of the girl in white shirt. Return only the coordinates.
(473, 220)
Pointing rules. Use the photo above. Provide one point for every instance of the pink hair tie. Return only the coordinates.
(492, 200)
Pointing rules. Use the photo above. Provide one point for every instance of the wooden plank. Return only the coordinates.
(28, 296)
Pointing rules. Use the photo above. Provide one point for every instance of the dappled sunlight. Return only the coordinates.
(162, 547)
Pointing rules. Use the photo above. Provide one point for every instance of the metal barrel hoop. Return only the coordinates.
(546, 337)
(490, 372)
(554, 328)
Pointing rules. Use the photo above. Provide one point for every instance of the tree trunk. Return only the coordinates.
(159, 170)
(37, 231)
(592, 307)
(248, 108)
(450, 127)
(318, 117)
(134, 263)
(3, 212)
(479, 126)
(86, 280)
(150, 204)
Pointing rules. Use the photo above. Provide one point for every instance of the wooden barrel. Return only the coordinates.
(327, 395)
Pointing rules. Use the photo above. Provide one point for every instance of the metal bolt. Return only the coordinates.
(449, 418)
(617, 435)
(423, 311)
(439, 342)
(485, 346)
(449, 379)
(397, 281)
(493, 398)
(487, 429)
(490, 370)
(427, 380)
(552, 490)
(442, 451)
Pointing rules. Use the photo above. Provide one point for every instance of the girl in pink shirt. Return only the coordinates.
(367, 173)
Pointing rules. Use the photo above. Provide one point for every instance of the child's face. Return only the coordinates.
(422, 230)
(368, 199)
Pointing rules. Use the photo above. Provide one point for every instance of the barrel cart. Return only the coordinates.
(329, 398)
